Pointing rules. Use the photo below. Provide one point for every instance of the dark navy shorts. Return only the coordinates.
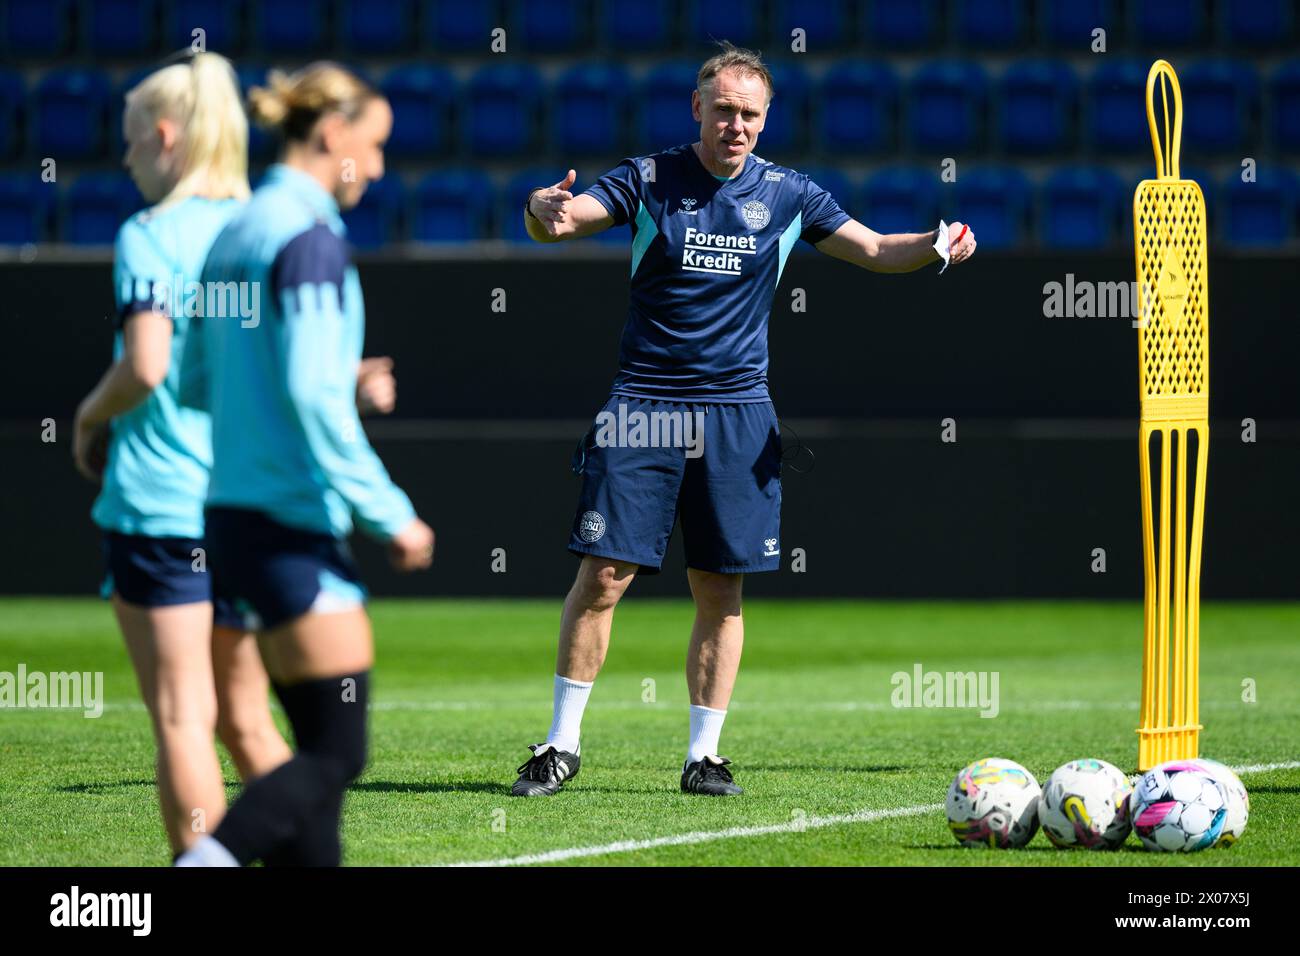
(158, 572)
(271, 573)
(647, 464)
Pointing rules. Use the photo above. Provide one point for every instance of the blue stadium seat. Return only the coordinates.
(857, 108)
(911, 25)
(992, 24)
(13, 99)
(501, 110)
(1284, 95)
(453, 26)
(552, 26)
(707, 21)
(1262, 213)
(946, 106)
(1116, 119)
(1159, 24)
(35, 28)
(68, 115)
(1081, 208)
(589, 105)
(119, 28)
(1037, 107)
(901, 199)
(1069, 26)
(1258, 23)
(665, 119)
(222, 22)
(377, 220)
(994, 201)
(25, 205)
(288, 26)
(453, 205)
(375, 27)
(1219, 99)
(827, 25)
(96, 206)
(421, 98)
(638, 26)
(785, 131)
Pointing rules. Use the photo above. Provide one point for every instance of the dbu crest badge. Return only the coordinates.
(756, 214)
(591, 526)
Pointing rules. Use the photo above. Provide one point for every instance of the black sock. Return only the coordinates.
(291, 815)
(317, 843)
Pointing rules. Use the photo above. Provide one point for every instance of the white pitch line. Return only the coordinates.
(705, 836)
(797, 826)
(1265, 767)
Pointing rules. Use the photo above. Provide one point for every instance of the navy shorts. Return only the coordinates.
(271, 573)
(159, 572)
(646, 464)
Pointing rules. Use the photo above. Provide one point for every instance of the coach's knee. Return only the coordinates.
(716, 595)
(599, 585)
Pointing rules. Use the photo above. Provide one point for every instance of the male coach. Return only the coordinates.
(712, 227)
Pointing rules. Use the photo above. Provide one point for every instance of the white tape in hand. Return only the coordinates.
(942, 245)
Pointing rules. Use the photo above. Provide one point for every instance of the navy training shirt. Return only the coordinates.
(707, 255)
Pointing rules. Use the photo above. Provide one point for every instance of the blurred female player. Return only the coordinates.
(186, 138)
(292, 467)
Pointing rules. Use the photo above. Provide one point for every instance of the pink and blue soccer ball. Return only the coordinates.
(1234, 823)
(1179, 807)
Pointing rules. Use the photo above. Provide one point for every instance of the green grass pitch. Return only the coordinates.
(462, 686)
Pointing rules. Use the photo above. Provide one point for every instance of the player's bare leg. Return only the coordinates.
(170, 650)
(589, 615)
(244, 721)
(712, 662)
(584, 641)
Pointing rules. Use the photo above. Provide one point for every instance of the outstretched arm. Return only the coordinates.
(895, 252)
(554, 213)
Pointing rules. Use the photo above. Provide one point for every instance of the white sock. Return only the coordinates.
(570, 701)
(206, 852)
(706, 728)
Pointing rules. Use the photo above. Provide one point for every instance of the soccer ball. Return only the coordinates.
(1179, 807)
(993, 802)
(1238, 801)
(1086, 803)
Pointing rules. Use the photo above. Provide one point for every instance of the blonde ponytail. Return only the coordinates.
(202, 97)
(291, 103)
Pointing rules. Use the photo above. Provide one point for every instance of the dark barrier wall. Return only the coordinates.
(491, 405)
(973, 341)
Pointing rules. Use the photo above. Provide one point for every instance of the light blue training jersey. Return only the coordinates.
(279, 372)
(160, 452)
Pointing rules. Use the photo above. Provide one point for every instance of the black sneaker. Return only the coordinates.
(710, 777)
(545, 771)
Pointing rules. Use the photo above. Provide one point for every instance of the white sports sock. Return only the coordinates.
(570, 701)
(206, 852)
(706, 728)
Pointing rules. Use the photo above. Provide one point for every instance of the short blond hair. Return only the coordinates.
(202, 97)
(291, 103)
(738, 60)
